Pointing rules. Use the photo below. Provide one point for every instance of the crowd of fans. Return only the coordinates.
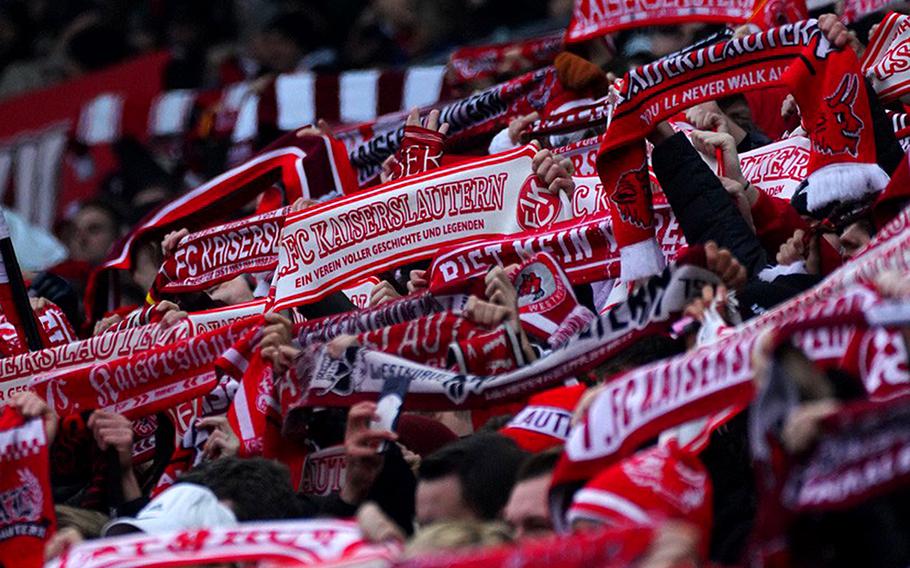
(458, 479)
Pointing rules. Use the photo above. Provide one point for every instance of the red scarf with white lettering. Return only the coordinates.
(657, 91)
(27, 517)
(885, 61)
(285, 543)
(421, 151)
(595, 18)
(859, 439)
(290, 168)
(585, 249)
(220, 253)
(476, 63)
(718, 375)
(147, 382)
(54, 328)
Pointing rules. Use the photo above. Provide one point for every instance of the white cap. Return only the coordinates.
(180, 507)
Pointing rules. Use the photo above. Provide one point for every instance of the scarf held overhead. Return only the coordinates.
(327, 247)
(655, 92)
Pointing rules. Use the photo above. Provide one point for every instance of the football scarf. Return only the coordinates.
(585, 249)
(359, 375)
(855, 9)
(863, 451)
(778, 168)
(27, 517)
(54, 330)
(477, 63)
(218, 254)
(657, 91)
(470, 120)
(369, 319)
(613, 547)
(327, 247)
(285, 543)
(143, 383)
(17, 371)
(595, 18)
(718, 375)
(834, 109)
(421, 151)
(305, 167)
(886, 61)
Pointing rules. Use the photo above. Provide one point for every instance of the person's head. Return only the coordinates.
(456, 535)
(255, 489)
(235, 291)
(181, 506)
(855, 236)
(527, 511)
(467, 480)
(96, 227)
(144, 267)
(645, 350)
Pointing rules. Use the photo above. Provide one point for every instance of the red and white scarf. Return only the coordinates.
(657, 91)
(855, 9)
(27, 517)
(585, 250)
(287, 543)
(324, 248)
(863, 451)
(16, 372)
(359, 375)
(594, 18)
(470, 120)
(886, 61)
(54, 329)
(778, 168)
(476, 63)
(143, 383)
(220, 253)
(715, 376)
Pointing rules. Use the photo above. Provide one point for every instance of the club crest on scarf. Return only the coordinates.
(839, 128)
(529, 285)
(624, 196)
(536, 207)
(22, 503)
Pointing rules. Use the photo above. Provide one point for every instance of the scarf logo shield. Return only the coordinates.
(841, 136)
(629, 185)
(536, 207)
(530, 285)
(23, 503)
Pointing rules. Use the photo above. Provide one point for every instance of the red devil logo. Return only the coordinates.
(626, 193)
(530, 285)
(838, 129)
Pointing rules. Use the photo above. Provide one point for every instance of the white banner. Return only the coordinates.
(329, 247)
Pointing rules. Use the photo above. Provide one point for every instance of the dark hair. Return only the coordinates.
(538, 464)
(485, 464)
(645, 350)
(258, 489)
